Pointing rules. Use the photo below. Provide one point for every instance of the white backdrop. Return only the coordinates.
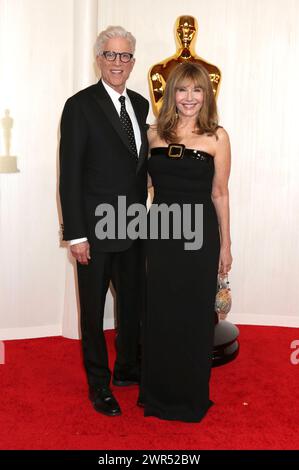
(45, 56)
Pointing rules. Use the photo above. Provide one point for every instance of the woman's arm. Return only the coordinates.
(220, 197)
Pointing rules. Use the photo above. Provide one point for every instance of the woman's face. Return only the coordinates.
(189, 99)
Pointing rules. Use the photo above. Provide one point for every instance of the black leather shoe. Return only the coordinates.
(123, 380)
(104, 402)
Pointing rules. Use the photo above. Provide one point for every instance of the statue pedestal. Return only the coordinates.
(8, 165)
(226, 345)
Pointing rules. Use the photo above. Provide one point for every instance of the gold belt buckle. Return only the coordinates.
(176, 150)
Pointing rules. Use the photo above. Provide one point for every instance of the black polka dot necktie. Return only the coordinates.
(127, 126)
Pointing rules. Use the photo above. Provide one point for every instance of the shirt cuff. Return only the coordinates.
(77, 240)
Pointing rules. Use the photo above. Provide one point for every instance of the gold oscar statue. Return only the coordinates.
(8, 163)
(186, 29)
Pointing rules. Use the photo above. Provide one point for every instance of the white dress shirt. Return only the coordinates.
(114, 95)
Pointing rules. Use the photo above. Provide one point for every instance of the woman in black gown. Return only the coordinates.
(178, 326)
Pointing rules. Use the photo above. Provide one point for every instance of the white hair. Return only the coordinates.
(113, 32)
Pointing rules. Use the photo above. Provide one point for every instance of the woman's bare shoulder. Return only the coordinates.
(152, 130)
(222, 134)
(152, 133)
(222, 145)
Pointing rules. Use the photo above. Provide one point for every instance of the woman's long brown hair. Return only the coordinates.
(207, 119)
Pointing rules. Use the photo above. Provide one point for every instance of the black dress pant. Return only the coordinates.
(126, 270)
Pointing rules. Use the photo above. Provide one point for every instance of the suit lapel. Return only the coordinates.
(142, 127)
(104, 100)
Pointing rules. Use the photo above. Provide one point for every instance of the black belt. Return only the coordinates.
(179, 151)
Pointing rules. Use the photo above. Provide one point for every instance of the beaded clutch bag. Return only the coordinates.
(223, 300)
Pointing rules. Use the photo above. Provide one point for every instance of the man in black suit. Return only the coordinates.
(103, 153)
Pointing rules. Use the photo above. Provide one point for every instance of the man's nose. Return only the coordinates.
(117, 60)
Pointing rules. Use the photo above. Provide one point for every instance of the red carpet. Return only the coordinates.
(44, 401)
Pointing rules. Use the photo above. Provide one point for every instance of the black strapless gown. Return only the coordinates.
(178, 327)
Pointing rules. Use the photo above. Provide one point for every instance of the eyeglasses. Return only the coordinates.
(111, 56)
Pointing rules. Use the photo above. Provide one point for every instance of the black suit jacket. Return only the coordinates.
(96, 165)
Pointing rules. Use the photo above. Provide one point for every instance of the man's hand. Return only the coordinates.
(81, 252)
